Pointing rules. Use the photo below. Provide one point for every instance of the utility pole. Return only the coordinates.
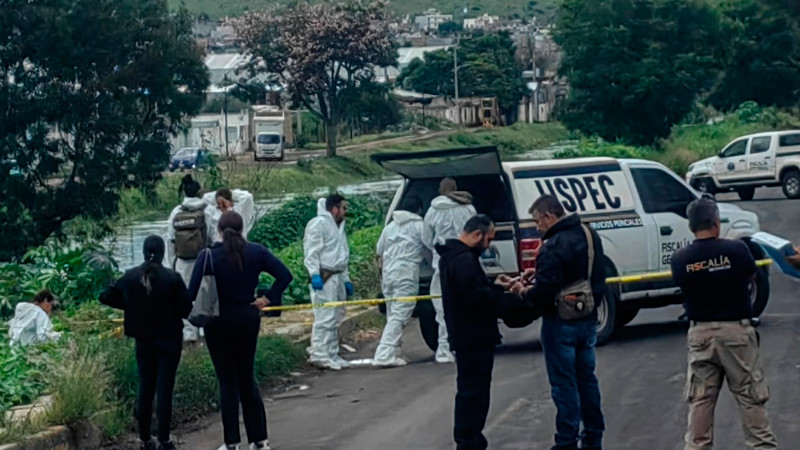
(455, 81)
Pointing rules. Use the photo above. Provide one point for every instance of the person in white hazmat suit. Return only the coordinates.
(191, 228)
(31, 322)
(327, 256)
(225, 200)
(445, 219)
(401, 251)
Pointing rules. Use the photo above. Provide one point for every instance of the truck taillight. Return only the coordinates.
(528, 251)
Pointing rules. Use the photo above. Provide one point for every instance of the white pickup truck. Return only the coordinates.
(757, 160)
(638, 208)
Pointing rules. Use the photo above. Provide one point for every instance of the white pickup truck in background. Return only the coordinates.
(757, 160)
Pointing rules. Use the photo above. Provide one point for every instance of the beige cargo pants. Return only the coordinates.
(726, 350)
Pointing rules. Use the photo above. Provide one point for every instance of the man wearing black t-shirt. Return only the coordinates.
(715, 275)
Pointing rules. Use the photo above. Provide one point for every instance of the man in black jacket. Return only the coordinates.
(568, 345)
(470, 312)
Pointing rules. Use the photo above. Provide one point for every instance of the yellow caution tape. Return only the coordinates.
(373, 302)
(370, 302)
(666, 275)
(377, 301)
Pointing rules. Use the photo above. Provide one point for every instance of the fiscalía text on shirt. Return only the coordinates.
(721, 262)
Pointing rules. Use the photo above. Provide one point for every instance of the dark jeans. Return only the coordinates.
(569, 355)
(157, 362)
(473, 382)
(231, 341)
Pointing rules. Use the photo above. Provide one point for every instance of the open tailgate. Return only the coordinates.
(437, 164)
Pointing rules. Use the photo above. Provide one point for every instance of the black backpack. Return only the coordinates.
(190, 233)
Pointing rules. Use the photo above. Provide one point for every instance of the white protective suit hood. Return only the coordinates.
(193, 203)
(404, 217)
(325, 243)
(445, 220)
(30, 325)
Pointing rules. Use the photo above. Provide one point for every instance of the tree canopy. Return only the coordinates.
(488, 68)
(320, 51)
(89, 92)
(637, 67)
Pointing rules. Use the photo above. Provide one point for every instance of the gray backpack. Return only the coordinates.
(576, 300)
(190, 233)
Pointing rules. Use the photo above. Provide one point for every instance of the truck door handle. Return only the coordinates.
(725, 220)
(666, 231)
(741, 160)
(768, 157)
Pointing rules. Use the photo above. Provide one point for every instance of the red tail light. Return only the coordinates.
(528, 251)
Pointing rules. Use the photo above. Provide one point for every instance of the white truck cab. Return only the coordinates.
(638, 208)
(757, 160)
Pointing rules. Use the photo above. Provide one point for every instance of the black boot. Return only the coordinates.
(167, 446)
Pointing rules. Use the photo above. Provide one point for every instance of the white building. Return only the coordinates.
(208, 131)
(484, 22)
(431, 20)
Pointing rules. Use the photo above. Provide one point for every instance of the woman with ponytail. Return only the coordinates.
(155, 301)
(232, 337)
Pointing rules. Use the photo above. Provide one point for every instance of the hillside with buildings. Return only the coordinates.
(543, 10)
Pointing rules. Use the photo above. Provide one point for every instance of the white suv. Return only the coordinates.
(638, 208)
(757, 160)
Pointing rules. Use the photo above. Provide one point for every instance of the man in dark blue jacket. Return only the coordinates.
(470, 310)
(568, 345)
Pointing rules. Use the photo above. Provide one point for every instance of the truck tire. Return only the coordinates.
(625, 315)
(791, 184)
(427, 324)
(759, 288)
(746, 193)
(607, 307)
(706, 185)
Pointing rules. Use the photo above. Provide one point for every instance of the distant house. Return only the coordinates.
(431, 20)
(404, 57)
(484, 22)
(473, 111)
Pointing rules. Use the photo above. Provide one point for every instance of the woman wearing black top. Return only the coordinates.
(232, 337)
(155, 300)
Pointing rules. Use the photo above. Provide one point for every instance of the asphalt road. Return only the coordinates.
(641, 374)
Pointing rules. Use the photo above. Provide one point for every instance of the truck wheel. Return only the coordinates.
(607, 307)
(706, 185)
(427, 324)
(791, 184)
(759, 288)
(746, 193)
(625, 315)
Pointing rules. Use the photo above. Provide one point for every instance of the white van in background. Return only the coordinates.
(638, 208)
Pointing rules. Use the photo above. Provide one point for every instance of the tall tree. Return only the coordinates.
(487, 68)
(636, 67)
(763, 57)
(89, 92)
(320, 51)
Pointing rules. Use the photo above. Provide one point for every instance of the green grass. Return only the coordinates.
(543, 9)
(311, 174)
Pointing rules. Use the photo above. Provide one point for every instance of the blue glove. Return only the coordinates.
(316, 283)
(348, 287)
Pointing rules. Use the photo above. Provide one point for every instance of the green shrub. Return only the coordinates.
(23, 373)
(364, 272)
(286, 224)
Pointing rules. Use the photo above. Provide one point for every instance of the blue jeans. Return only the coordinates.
(569, 355)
